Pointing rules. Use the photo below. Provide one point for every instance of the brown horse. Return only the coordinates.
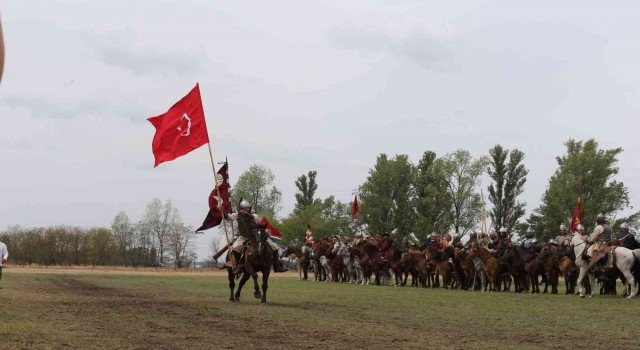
(395, 264)
(303, 259)
(257, 258)
(333, 261)
(489, 262)
(440, 259)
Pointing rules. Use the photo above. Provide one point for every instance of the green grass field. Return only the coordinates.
(192, 311)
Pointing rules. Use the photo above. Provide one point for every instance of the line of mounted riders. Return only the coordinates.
(484, 262)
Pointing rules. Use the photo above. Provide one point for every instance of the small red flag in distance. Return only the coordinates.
(181, 129)
(576, 218)
(356, 208)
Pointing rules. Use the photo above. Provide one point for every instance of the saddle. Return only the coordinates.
(600, 251)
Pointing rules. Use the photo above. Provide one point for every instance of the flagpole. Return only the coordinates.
(215, 182)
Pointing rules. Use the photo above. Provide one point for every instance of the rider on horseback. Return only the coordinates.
(246, 223)
(386, 246)
(601, 235)
(623, 233)
(529, 239)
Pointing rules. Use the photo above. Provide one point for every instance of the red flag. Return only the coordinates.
(218, 199)
(275, 234)
(355, 209)
(577, 217)
(181, 130)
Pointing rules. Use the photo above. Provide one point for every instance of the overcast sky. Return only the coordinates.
(299, 86)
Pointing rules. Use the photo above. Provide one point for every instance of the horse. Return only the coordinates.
(566, 266)
(549, 257)
(490, 265)
(373, 261)
(358, 271)
(303, 259)
(441, 261)
(415, 262)
(515, 264)
(623, 258)
(319, 263)
(395, 264)
(465, 266)
(257, 258)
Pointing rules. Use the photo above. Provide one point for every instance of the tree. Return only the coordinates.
(433, 206)
(181, 241)
(123, 235)
(584, 170)
(307, 187)
(100, 246)
(508, 184)
(158, 221)
(462, 175)
(327, 218)
(387, 197)
(256, 186)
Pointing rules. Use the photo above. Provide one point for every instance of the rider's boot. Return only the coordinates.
(277, 264)
(239, 265)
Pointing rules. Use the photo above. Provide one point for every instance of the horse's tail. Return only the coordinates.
(636, 253)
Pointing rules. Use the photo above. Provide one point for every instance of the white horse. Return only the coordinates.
(624, 259)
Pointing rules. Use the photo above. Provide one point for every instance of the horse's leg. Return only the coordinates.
(265, 283)
(625, 269)
(256, 288)
(554, 283)
(592, 281)
(232, 283)
(243, 280)
(582, 272)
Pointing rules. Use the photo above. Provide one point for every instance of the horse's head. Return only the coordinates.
(473, 252)
(547, 250)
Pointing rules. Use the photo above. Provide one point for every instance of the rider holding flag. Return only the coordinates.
(247, 221)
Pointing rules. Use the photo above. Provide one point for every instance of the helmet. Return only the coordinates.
(529, 233)
(580, 227)
(600, 219)
(244, 204)
(624, 226)
(563, 227)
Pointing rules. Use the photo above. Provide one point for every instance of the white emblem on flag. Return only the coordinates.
(188, 131)
(219, 200)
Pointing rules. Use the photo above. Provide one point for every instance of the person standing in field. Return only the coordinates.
(1, 57)
(4, 255)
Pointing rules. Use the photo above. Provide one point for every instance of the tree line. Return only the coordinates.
(159, 238)
(405, 199)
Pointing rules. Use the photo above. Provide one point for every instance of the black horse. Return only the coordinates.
(257, 257)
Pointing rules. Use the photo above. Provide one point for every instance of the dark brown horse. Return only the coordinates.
(257, 258)
(464, 267)
(371, 260)
(415, 262)
(549, 257)
(303, 259)
(514, 261)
